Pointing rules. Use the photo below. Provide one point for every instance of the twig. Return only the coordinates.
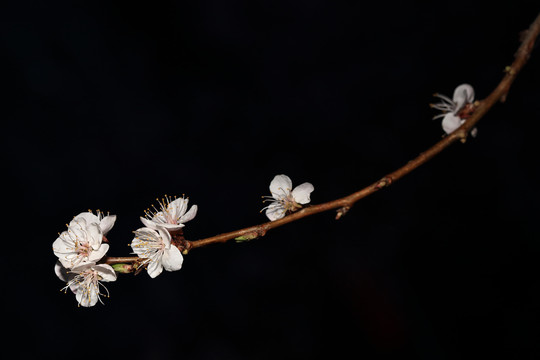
(344, 204)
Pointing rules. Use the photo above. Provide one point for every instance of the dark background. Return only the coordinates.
(110, 105)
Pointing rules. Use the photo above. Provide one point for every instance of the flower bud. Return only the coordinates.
(123, 268)
(246, 237)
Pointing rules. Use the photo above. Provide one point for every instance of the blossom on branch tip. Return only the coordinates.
(154, 246)
(82, 242)
(455, 111)
(86, 280)
(171, 215)
(284, 198)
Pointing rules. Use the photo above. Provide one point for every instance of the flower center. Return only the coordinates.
(87, 283)
(83, 249)
(289, 204)
(165, 212)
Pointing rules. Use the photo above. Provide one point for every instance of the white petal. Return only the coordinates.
(165, 237)
(180, 206)
(148, 223)
(139, 247)
(61, 271)
(87, 296)
(170, 227)
(107, 223)
(280, 186)
(87, 217)
(189, 215)
(275, 211)
(159, 217)
(60, 248)
(154, 268)
(463, 94)
(82, 267)
(301, 193)
(96, 255)
(172, 259)
(106, 272)
(94, 235)
(450, 123)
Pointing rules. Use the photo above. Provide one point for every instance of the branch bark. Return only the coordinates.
(344, 204)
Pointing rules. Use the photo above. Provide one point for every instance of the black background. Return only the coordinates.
(108, 106)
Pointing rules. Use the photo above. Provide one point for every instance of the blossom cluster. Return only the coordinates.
(79, 248)
(82, 247)
(152, 243)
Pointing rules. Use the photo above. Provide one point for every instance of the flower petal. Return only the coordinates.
(180, 206)
(275, 211)
(463, 94)
(165, 236)
(450, 123)
(106, 272)
(301, 193)
(280, 186)
(60, 247)
(148, 223)
(96, 255)
(172, 259)
(189, 215)
(170, 227)
(94, 235)
(61, 271)
(155, 267)
(88, 217)
(107, 223)
(87, 295)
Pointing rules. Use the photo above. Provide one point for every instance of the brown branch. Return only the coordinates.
(344, 204)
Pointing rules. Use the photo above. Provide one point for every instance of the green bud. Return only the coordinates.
(123, 268)
(247, 237)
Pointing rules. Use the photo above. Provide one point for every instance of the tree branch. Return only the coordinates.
(345, 203)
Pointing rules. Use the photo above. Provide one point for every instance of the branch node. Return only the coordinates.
(251, 235)
(384, 182)
(509, 70)
(342, 211)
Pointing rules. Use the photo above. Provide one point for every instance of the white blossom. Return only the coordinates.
(451, 108)
(82, 242)
(154, 246)
(85, 281)
(171, 214)
(284, 198)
